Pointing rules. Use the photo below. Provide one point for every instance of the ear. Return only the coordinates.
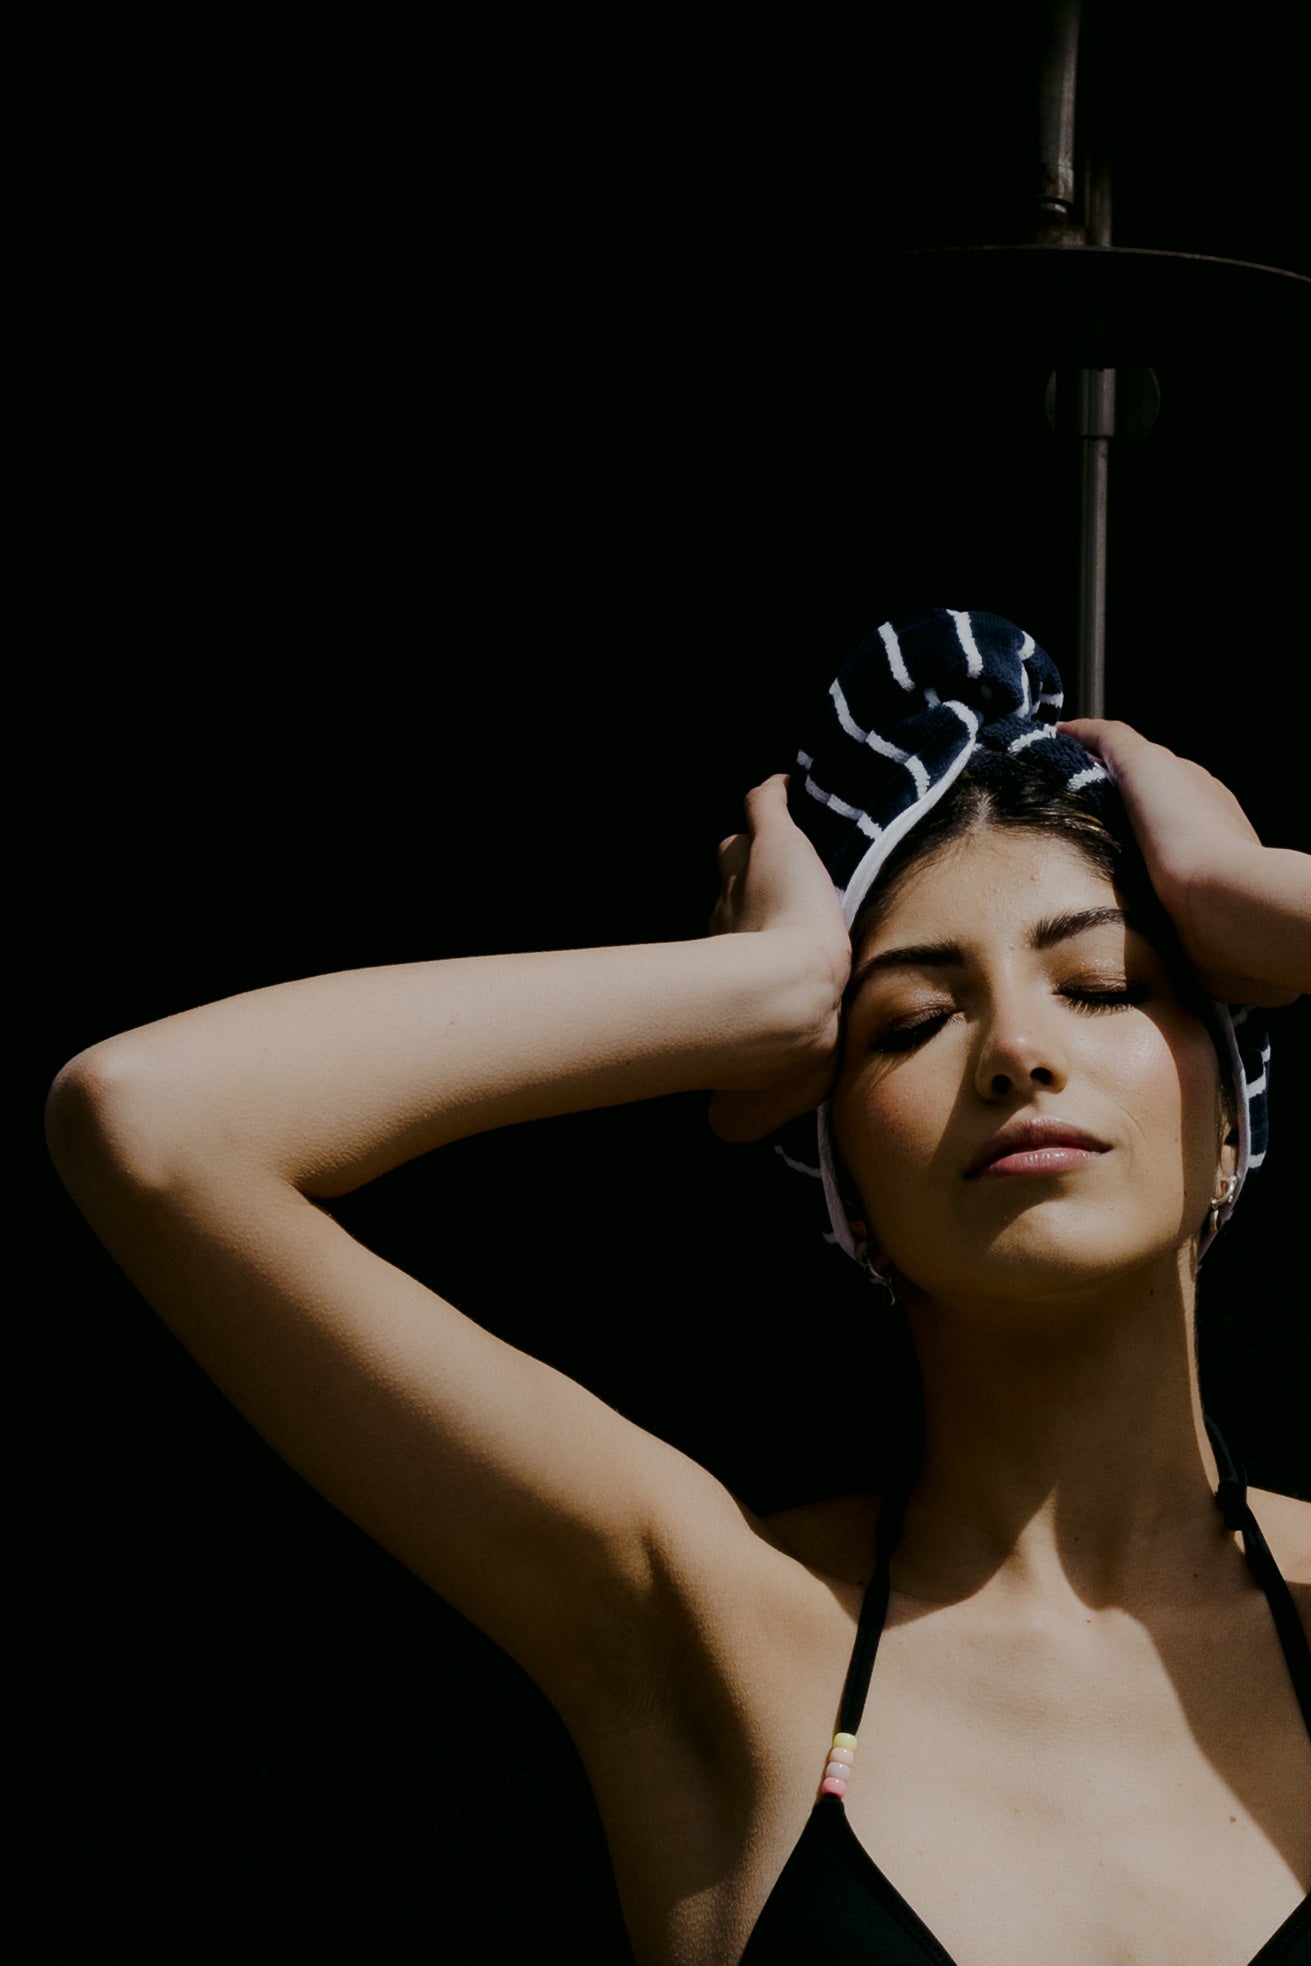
(1226, 1169)
(1223, 1185)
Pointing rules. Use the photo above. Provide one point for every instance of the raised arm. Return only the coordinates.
(1242, 910)
(199, 1147)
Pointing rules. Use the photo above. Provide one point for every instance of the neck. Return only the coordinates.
(1066, 1454)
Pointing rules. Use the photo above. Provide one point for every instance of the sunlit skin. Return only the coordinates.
(1049, 1277)
(1005, 993)
(1088, 1744)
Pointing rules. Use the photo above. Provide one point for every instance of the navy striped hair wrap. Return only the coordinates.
(923, 697)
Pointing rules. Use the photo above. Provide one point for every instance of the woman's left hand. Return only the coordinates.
(1242, 911)
(774, 885)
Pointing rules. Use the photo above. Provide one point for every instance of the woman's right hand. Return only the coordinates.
(1242, 911)
(773, 883)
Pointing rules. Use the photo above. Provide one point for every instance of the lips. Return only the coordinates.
(1036, 1146)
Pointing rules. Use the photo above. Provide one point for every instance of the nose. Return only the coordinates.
(1018, 1049)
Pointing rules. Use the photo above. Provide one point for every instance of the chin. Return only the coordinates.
(1029, 1261)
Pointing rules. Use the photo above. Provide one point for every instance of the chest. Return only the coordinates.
(1131, 1792)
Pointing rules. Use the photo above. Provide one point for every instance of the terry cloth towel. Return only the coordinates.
(922, 697)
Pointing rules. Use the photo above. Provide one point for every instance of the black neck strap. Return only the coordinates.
(1231, 1498)
(873, 1610)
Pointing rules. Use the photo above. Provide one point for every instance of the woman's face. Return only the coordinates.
(1025, 1101)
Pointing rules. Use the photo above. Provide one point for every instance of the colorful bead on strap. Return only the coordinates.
(841, 1758)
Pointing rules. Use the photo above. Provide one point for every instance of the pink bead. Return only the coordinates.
(843, 1755)
(832, 1785)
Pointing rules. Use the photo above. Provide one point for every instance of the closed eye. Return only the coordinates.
(1094, 997)
(915, 1031)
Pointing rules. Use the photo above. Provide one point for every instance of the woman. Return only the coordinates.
(1080, 1680)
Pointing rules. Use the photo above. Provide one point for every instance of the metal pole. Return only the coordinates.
(1057, 86)
(1096, 428)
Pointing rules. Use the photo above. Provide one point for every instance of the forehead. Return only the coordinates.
(992, 877)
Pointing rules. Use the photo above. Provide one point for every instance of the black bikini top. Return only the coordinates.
(833, 1906)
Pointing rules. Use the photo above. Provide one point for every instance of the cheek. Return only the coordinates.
(1170, 1091)
(904, 1117)
(1203, 1116)
(888, 1132)
(1151, 1077)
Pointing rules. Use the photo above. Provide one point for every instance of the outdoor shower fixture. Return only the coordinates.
(1099, 317)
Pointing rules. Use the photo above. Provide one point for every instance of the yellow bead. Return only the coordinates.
(845, 1741)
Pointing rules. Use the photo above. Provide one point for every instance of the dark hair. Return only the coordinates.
(1013, 793)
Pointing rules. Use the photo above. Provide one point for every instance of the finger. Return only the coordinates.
(1088, 729)
(767, 801)
(732, 856)
(724, 916)
(1114, 743)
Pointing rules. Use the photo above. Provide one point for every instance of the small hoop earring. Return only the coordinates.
(884, 1281)
(1228, 1189)
(874, 1274)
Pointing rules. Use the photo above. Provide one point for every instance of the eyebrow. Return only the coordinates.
(1046, 934)
(1059, 928)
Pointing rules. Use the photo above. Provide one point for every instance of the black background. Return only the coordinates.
(410, 407)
